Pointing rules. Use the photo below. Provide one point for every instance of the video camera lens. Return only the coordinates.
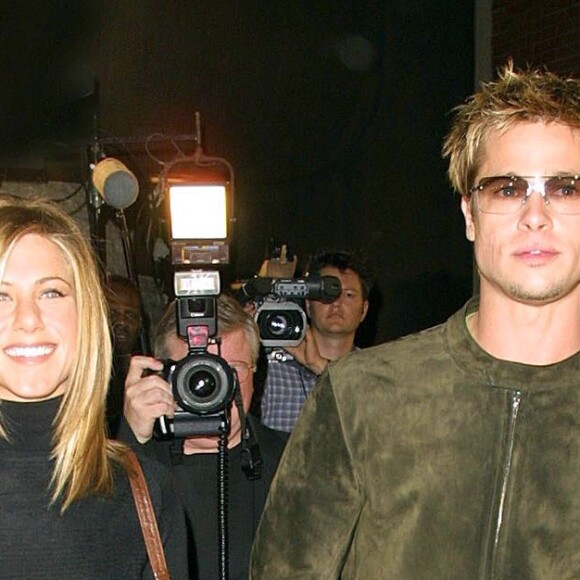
(281, 323)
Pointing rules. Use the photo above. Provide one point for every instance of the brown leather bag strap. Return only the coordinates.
(147, 518)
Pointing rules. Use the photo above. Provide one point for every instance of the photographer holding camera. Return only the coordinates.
(149, 396)
(293, 371)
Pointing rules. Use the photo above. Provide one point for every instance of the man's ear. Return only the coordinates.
(467, 209)
(365, 310)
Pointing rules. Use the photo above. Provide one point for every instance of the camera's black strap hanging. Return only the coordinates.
(252, 463)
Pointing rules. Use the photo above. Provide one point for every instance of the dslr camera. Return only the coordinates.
(280, 314)
(203, 384)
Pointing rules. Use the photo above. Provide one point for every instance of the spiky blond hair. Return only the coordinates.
(517, 96)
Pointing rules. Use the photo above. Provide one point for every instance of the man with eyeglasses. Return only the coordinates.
(148, 396)
(454, 453)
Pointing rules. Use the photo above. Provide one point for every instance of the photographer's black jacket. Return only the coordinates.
(196, 481)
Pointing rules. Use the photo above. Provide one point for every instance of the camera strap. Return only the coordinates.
(252, 463)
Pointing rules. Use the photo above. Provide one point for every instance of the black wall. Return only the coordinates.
(332, 114)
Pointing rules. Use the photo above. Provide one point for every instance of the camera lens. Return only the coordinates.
(280, 323)
(203, 383)
(277, 325)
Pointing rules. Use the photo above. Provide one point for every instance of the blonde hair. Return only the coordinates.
(82, 454)
(515, 97)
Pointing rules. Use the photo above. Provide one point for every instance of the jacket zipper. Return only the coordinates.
(492, 563)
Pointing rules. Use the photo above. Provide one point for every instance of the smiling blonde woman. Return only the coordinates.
(67, 508)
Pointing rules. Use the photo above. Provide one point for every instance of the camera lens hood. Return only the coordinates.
(203, 383)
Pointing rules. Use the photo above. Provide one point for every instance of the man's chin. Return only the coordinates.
(337, 328)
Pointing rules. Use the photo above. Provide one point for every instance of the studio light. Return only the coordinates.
(199, 199)
(198, 212)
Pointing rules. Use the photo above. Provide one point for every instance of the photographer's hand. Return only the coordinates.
(147, 397)
(308, 355)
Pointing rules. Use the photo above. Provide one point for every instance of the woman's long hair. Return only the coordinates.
(83, 457)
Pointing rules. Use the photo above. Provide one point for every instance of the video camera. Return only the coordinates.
(203, 384)
(280, 314)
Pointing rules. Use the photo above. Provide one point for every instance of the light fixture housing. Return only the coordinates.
(199, 197)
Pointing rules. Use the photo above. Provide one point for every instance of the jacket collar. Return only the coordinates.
(467, 354)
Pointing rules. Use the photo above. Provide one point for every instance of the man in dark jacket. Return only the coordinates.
(454, 454)
(253, 450)
(125, 307)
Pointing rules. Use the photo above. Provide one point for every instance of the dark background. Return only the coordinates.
(331, 112)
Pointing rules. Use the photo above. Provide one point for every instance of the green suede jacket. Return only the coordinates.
(426, 458)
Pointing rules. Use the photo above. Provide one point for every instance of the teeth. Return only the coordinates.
(29, 351)
(535, 252)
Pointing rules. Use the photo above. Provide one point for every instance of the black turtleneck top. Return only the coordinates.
(97, 537)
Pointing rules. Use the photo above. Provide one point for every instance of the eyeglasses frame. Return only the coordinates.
(532, 186)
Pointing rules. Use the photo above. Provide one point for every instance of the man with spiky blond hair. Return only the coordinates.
(454, 454)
